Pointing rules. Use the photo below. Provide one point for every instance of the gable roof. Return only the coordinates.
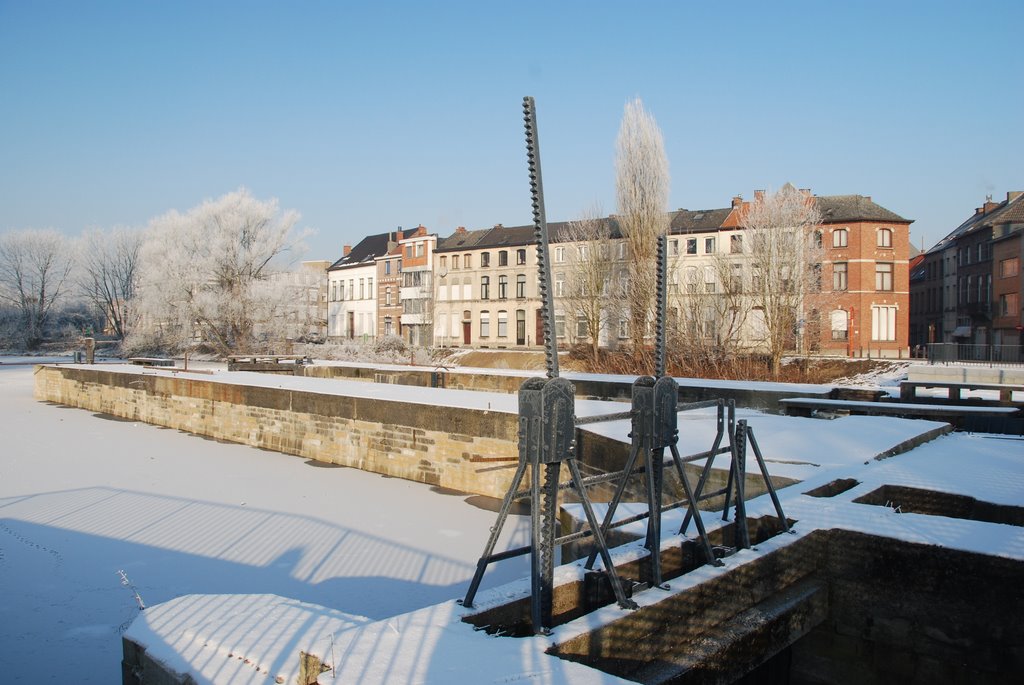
(366, 250)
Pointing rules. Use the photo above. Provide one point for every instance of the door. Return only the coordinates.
(351, 325)
(520, 327)
(540, 328)
(467, 325)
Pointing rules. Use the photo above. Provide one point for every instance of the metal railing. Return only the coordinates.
(963, 353)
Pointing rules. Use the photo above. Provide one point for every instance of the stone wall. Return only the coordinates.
(469, 450)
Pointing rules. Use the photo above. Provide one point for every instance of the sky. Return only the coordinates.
(365, 117)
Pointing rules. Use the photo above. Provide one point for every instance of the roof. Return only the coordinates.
(839, 208)
(1010, 210)
(365, 251)
(698, 220)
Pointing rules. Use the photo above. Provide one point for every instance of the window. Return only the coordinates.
(455, 261)
(1009, 267)
(521, 286)
(559, 285)
(502, 324)
(623, 328)
(369, 288)
(582, 330)
(736, 244)
(444, 262)
(816, 278)
(584, 252)
(408, 251)
(521, 256)
(1008, 304)
(691, 246)
(419, 249)
(341, 290)
(387, 325)
(737, 278)
(485, 324)
(559, 254)
(709, 279)
(883, 276)
(467, 261)
(709, 246)
(673, 248)
(884, 237)
(816, 240)
(387, 296)
(442, 289)
(840, 324)
(839, 281)
(840, 237)
(362, 289)
(387, 268)
(502, 287)
(467, 289)
(559, 325)
(485, 287)
(503, 258)
(883, 324)
(485, 259)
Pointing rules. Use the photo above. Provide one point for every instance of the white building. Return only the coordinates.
(352, 300)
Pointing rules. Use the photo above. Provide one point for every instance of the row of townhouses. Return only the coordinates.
(480, 288)
(968, 287)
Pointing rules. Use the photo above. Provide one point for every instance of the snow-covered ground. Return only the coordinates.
(83, 496)
(196, 523)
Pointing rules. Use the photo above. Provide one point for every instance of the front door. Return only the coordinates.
(351, 325)
(520, 327)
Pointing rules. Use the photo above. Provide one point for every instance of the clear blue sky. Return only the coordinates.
(368, 116)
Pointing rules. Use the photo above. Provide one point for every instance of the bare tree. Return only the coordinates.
(641, 188)
(784, 258)
(711, 305)
(206, 273)
(592, 293)
(34, 270)
(109, 274)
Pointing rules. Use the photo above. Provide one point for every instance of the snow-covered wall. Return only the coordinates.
(472, 450)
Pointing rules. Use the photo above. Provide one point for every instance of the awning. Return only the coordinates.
(962, 332)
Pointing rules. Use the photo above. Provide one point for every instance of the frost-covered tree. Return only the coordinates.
(206, 274)
(641, 188)
(109, 274)
(35, 266)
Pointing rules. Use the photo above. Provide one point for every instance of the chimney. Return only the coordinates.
(737, 200)
(347, 250)
(498, 226)
(867, 198)
(460, 229)
(806, 192)
(989, 205)
(1012, 195)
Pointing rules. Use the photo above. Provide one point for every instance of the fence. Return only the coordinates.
(945, 353)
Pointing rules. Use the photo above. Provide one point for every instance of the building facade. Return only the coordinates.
(968, 289)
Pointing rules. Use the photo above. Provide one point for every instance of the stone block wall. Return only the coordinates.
(461, 450)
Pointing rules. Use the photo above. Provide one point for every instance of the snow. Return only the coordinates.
(245, 556)
(82, 496)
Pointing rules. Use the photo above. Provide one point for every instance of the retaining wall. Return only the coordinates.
(426, 443)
